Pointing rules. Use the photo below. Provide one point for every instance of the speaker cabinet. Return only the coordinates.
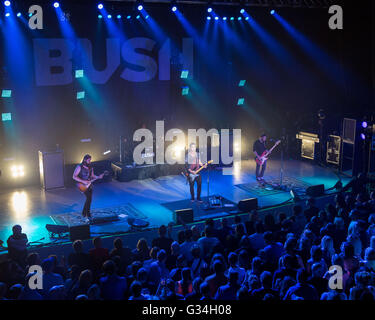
(315, 191)
(183, 216)
(248, 205)
(79, 232)
(51, 168)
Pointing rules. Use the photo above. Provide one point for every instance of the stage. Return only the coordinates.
(148, 199)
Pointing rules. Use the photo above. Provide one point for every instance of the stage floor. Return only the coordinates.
(32, 207)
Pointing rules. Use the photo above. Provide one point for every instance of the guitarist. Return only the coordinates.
(193, 163)
(258, 148)
(84, 173)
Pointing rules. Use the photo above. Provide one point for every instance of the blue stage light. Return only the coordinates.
(140, 7)
(138, 16)
(30, 14)
(364, 124)
(363, 137)
(232, 18)
(128, 17)
(7, 3)
(208, 18)
(119, 16)
(100, 16)
(19, 14)
(7, 14)
(6, 117)
(272, 12)
(216, 18)
(247, 18)
(56, 4)
(146, 17)
(109, 16)
(242, 10)
(224, 18)
(174, 8)
(100, 6)
(239, 18)
(209, 10)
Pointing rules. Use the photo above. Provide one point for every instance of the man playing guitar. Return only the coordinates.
(192, 164)
(84, 175)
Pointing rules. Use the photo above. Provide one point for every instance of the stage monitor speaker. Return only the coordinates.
(315, 191)
(51, 168)
(248, 205)
(183, 216)
(79, 232)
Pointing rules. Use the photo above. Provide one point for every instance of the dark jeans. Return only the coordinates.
(262, 170)
(87, 206)
(198, 180)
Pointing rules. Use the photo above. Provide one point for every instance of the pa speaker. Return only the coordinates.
(80, 232)
(183, 216)
(315, 191)
(248, 205)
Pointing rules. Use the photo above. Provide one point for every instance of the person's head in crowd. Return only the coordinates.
(302, 276)
(310, 202)
(134, 267)
(323, 216)
(253, 282)
(371, 219)
(355, 240)
(196, 232)
(259, 227)
(77, 246)
(117, 243)
(48, 265)
(181, 236)
(142, 275)
(93, 293)
(85, 278)
(218, 267)
(54, 259)
(256, 265)
(81, 297)
(233, 277)
(188, 234)
(288, 261)
(337, 260)
(237, 219)
(33, 259)
(142, 245)
(175, 248)
(362, 279)
(195, 251)
(17, 230)
(180, 261)
(331, 211)
(15, 291)
(317, 270)
(239, 230)
(370, 258)
(242, 294)
(57, 293)
(268, 237)
(219, 257)
(109, 267)
(245, 242)
(269, 297)
(97, 242)
(224, 222)
(269, 221)
(186, 275)
(290, 245)
(285, 284)
(316, 253)
(74, 272)
(372, 242)
(197, 284)
(162, 256)
(253, 216)
(162, 231)
(347, 250)
(154, 253)
(327, 244)
(266, 279)
(244, 259)
(233, 259)
(282, 217)
(339, 221)
(297, 210)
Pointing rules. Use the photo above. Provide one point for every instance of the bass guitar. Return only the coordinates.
(264, 157)
(83, 187)
(195, 174)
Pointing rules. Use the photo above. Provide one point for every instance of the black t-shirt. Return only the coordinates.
(259, 147)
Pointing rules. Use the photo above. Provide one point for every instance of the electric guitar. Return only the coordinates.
(84, 187)
(194, 175)
(264, 157)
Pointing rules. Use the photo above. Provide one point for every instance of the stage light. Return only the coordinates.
(224, 18)
(184, 74)
(146, 17)
(119, 16)
(30, 14)
(7, 14)
(364, 124)
(140, 7)
(363, 136)
(109, 16)
(232, 18)
(185, 91)
(138, 16)
(79, 74)
(56, 4)
(242, 83)
(242, 10)
(7, 3)
(241, 101)
(20, 204)
(6, 117)
(80, 95)
(106, 152)
(128, 17)
(239, 18)
(100, 16)
(100, 6)
(208, 18)
(17, 171)
(216, 18)
(6, 93)
(19, 14)
(247, 18)
(174, 8)
(272, 12)
(209, 9)
(178, 152)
